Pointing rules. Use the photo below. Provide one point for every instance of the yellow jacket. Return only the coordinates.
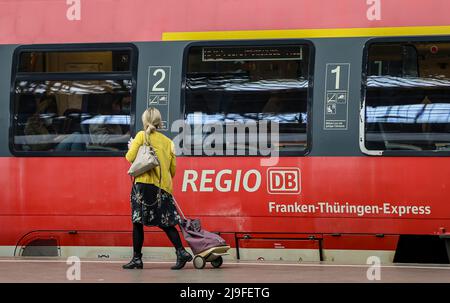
(165, 150)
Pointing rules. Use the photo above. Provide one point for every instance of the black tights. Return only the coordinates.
(138, 237)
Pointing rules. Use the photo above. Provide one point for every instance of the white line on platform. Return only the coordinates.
(239, 263)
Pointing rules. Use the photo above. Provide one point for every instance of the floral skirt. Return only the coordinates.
(148, 210)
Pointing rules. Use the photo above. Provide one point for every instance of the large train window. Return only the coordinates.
(407, 97)
(72, 102)
(239, 99)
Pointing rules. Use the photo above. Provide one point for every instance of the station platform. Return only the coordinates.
(54, 270)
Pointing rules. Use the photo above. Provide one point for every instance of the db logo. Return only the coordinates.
(284, 180)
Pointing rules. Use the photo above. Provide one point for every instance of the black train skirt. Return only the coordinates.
(147, 210)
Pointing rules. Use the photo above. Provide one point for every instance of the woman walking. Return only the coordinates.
(146, 208)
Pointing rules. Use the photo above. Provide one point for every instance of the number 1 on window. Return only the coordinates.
(337, 71)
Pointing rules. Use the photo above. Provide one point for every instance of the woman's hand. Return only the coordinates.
(130, 142)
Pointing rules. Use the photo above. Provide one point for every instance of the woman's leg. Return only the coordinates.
(138, 238)
(138, 242)
(182, 255)
(174, 237)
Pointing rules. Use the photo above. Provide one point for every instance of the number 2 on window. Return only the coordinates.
(155, 87)
(337, 71)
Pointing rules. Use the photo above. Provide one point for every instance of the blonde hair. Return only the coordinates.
(151, 119)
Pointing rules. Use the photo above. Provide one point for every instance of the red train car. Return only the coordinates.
(306, 130)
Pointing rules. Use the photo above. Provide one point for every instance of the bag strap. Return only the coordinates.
(146, 142)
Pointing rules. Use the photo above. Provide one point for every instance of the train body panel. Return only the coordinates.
(330, 196)
(141, 20)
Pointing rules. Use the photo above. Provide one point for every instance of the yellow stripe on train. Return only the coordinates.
(310, 33)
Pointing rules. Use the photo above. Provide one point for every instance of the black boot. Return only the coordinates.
(182, 257)
(136, 262)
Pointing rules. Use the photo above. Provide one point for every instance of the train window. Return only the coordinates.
(73, 61)
(393, 60)
(67, 114)
(407, 101)
(258, 89)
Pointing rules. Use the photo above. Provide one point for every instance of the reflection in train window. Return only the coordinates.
(66, 61)
(248, 97)
(408, 97)
(65, 115)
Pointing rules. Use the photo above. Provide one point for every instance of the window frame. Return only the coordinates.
(243, 43)
(362, 114)
(70, 76)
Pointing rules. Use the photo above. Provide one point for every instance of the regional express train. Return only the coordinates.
(300, 145)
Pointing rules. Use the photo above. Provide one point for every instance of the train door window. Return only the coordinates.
(71, 102)
(407, 97)
(244, 96)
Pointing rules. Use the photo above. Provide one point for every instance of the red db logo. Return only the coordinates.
(283, 180)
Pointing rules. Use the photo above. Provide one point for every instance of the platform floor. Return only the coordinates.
(42, 270)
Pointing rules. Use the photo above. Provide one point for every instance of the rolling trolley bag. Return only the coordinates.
(206, 246)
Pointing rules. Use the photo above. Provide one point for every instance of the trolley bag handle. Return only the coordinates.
(178, 207)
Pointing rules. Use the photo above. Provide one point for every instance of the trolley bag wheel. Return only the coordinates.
(217, 262)
(199, 262)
